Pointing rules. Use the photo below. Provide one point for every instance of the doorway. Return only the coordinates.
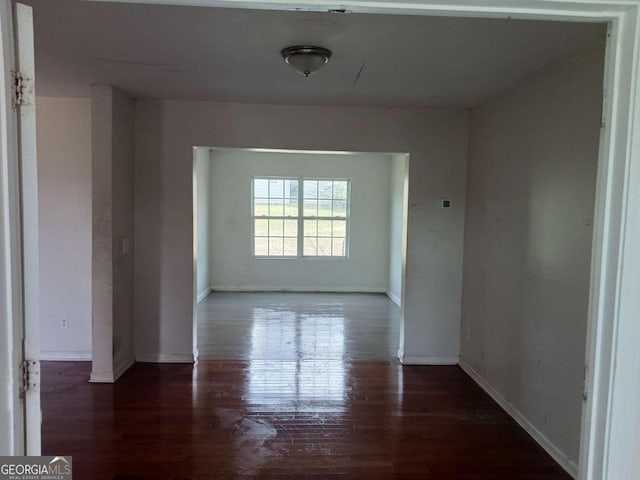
(298, 244)
(608, 202)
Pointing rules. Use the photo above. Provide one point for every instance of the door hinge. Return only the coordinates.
(29, 376)
(22, 89)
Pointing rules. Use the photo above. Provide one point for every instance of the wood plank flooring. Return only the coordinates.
(269, 419)
(304, 387)
(288, 326)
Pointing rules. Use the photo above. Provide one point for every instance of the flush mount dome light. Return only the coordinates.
(306, 59)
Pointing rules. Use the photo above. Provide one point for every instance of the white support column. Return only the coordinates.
(102, 239)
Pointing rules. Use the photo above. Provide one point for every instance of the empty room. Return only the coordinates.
(325, 233)
(295, 242)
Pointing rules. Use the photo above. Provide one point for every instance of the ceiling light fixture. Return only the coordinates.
(306, 59)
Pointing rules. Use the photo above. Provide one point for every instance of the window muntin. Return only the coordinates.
(279, 228)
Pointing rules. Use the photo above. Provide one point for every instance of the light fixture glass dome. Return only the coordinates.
(306, 59)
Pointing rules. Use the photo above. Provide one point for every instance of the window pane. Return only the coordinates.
(291, 247)
(276, 208)
(339, 208)
(261, 228)
(339, 247)
(340, 190)
(310, 228)
(291, 207)
(310, 246)
(261, 246)
(325, 188)
(261, 207)
(324, 228)
(310, 208)
(276, 228)
(260, 187)
(339, 228)
(310, 189)
(324, 247)
(276, 188)
(276, 246)
(291, 228)
(324, 208)
(291, 189)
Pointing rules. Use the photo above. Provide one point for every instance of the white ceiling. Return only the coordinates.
(233, 54)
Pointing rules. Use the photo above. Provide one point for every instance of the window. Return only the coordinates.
(275, 217)
(325, 218)
(279, 228)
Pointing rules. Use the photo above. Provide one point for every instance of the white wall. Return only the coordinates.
(530, 201)
(112, 113)
(64, 188)
(233, 266)
(166, 132)
(202, 216)
(122, 230)
(397, 216)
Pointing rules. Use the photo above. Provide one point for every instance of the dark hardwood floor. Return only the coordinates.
(289, 386)
(290, 419)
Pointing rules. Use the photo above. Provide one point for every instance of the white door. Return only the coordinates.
(20, 416)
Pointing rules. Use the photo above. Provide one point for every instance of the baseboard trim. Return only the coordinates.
(101, 377)
(244, 288)
(202, 295)
(567, 464)
(394, 298)
(66, 356)
(122, 368)
(164, 358)
(427, 359)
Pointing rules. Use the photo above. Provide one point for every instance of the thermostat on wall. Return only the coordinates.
(445, 203)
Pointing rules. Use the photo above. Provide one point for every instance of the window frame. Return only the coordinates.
(300, 219)
(346, 218)
(269, 217)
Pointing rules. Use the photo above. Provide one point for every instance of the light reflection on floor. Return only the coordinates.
(298, 369)
(303, 355)
(298, 387)
(297, 326)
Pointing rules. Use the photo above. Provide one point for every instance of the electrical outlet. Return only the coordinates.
(467, 332)
(64, 322)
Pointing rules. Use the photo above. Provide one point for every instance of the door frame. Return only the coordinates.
(19, 285)
(28, 170)
(12, 423)
(611, 419)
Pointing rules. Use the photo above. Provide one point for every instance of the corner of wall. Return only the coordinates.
(565, 462)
